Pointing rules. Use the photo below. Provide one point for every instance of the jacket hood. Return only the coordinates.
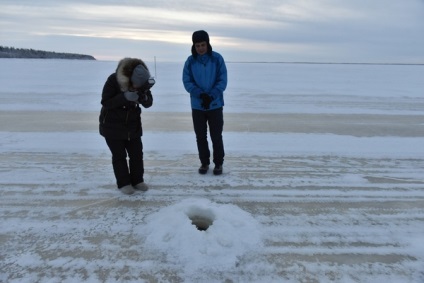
(124, 71)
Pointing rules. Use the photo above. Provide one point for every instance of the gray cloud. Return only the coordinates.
(267, 30)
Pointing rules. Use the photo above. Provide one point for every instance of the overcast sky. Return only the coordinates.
(380, 31)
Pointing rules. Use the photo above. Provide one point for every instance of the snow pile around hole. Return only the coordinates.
(230, 233)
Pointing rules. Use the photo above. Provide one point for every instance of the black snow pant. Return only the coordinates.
(119, 149)
(215, 119)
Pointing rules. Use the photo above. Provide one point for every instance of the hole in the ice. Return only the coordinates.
(201, 218)
(201, 223)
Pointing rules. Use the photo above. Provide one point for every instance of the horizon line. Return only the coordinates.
(322, 63)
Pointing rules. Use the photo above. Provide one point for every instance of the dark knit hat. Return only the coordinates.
(139, 76)
(200, 36)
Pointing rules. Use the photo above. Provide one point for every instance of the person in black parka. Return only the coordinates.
(120, 121)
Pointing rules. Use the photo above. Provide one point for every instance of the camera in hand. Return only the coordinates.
(148, 84)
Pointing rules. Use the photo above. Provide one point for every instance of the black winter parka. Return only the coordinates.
(120, 118)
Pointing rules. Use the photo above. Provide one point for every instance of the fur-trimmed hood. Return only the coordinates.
(124, 71)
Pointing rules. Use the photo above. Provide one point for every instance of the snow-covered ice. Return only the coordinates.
(323, 178)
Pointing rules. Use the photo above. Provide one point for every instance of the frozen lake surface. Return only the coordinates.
(323, 178)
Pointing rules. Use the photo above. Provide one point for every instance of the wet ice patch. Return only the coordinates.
(198, 233)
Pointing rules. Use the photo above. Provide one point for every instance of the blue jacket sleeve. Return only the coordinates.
(221, 78)
(188, 80)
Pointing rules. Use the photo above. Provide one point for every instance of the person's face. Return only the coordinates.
(201, 47)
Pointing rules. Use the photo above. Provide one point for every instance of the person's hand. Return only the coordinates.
(143, 94)
(131, 95)
(206, 100)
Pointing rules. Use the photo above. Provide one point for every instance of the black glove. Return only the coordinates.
(206, 100)
(143, 94)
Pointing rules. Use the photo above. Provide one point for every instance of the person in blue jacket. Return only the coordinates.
(205, 78)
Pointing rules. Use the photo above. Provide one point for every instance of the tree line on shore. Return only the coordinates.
(11, 52)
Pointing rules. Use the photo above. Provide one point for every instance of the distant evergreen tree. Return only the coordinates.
(11, 52)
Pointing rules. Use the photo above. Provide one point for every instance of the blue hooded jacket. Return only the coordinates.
(205, 74)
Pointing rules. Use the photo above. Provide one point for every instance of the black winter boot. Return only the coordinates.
(203, 169)
(217, 170)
